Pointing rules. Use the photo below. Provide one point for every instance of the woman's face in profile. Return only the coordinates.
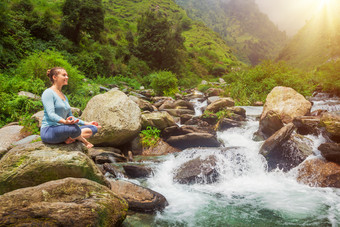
(61, 78)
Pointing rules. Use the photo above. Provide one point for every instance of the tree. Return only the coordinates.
(81, 17)
(158, 41)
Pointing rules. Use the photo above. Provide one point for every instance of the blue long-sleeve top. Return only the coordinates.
(55, 109)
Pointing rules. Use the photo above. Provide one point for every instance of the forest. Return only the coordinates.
(132, 43)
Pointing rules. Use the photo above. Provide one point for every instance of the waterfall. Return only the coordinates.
(245, 194)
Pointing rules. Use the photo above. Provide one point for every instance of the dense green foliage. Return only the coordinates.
(328, 76)
(164, 83)
(241, 24)
(251, 85)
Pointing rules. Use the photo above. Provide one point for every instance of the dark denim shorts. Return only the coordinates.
(59, 133)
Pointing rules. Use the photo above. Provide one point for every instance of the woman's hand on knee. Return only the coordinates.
(71, 121)
(93, 123)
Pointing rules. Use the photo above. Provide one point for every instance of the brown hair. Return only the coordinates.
(53, 72)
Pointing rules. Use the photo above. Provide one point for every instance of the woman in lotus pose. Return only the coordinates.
(58, 124)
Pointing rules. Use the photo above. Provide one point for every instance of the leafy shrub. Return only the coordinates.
(328, 75)
(150, 136)
(35, 66)
(164, 83)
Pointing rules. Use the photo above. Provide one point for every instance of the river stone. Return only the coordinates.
(9, 135)
(139, 198)
(161, 148)
(226, 123)
(270, 123)
(331, 121)
(319, 173)
(137, 171)
(179, 112)
(26, 140)
(330, 151)
(212, 99)
(277, 139)
(285, 149)
(36, 163)
(194, 139)
(66, 202)
(214, 92)
(143, 104)
(183, 104)
(287, 103)
(202, 171)
(158, 119)
(118, 115)
(113, 154)
(220, 105)
(307, 124)
(29, 95)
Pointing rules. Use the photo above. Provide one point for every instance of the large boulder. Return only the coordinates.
(158, 119)
(331, 121)
(118, 115)
(319, 173)
(194, 139)
(286, 103)
(9, 135)
(66, 202)
(37, 163)
(198, 170)
(220, 104)
(139, 198)
(330, 151)
(285, 149)
(137, 171)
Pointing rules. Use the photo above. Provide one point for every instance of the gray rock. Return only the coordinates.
(26, 140)
(220, 104)
(159, 119)
(194, 139)
(330, 151)
(198, 170)
(119, 118)
(66, 202)
(139, 198)
(212, 99)
(137, 171)
(29, 95)
(9, 135)
(36, 163)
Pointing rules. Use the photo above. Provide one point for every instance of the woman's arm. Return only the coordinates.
(48, 103)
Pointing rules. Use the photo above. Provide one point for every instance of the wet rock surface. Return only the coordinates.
(66, 202)
(139, 198)
(198, 170)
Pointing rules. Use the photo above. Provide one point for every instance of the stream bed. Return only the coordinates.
(246, 194)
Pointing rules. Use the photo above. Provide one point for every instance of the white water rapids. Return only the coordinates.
(246, 194)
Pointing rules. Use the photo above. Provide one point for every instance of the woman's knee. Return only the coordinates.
(75, 131)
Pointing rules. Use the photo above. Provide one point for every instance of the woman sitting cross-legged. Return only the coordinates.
(58, 124)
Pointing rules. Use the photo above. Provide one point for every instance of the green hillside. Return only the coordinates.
(101, 43)
(249, 32)
(317, 42)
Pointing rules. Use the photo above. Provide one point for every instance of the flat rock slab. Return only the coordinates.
(139, 198)
(37, 163)
(66, 202)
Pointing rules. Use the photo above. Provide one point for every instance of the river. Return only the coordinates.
(246, 194)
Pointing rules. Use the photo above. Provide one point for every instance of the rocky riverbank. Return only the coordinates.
(39, 180)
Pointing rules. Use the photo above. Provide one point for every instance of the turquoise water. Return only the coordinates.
(244, 195)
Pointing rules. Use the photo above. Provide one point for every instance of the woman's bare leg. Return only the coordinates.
(69, 140)
(86, 133)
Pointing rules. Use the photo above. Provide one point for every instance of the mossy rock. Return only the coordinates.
(37, 163)
(65, 202)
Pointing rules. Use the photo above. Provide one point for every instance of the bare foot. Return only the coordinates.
(88, 144)
(69, 140)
